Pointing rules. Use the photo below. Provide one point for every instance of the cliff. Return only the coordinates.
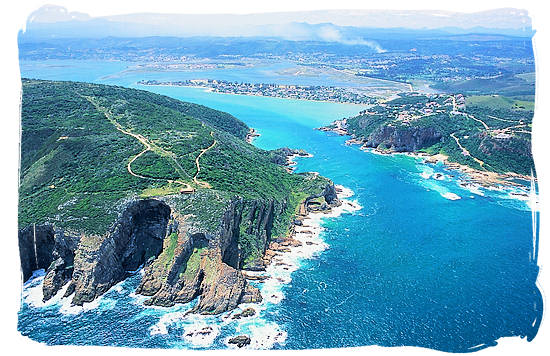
(486, 133)
(408, 139)
(114, 180)
(182, 258)
(386, 135)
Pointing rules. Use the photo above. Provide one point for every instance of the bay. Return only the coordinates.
(412, 267)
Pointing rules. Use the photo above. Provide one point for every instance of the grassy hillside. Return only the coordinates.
(87, 148)
(509, 85)
(499, 102)
(488, 132)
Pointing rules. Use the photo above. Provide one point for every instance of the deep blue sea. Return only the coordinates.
(414, 266)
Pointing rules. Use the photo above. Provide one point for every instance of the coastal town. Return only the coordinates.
(302, 92)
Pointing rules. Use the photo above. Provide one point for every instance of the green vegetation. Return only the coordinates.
(508, 85)
(168, 189)
(250, 247)
(166, 258)
(170, 244)
(193, 263)
(493, 131)
(152, 164)
(88, 149)
(499, 102)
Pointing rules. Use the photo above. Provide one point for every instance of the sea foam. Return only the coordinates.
(450, 196)
(265, 334)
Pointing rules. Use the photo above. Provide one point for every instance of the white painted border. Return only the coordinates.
(13, 19)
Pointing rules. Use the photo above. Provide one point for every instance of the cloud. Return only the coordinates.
(330, 33)
(53, 14)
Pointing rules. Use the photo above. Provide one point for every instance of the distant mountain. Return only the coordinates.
(350, 26)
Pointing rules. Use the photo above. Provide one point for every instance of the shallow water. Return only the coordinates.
(425, 262)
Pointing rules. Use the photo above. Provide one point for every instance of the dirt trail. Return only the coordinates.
(455, 109)
(202, 183)
(145, 142)
(465, 151)
(478, 120)
(498, 118)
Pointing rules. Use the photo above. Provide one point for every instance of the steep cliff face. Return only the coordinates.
(91, 263)
(403, 139)
(189, 245)
(256, 227)
(36, 245)
(195, 262)
(60, 271)
(183, 258)
(102, 261)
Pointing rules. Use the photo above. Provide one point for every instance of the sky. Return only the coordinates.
(60, 22)
(497, 18)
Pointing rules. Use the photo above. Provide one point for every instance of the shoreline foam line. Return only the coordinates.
(199, 331)
(306, 243)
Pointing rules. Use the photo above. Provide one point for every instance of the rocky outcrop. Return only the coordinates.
(386, 136)
(60, 270)
(240, 341)
(102, 261)
(201, 264)
(248, 312)
(251, 294)
(281, 156)
(402, 139)
(36, 245)
(329, 194)
(222, 287)
(91, 263)
(258, 223)
(219, 286)
(182, 258)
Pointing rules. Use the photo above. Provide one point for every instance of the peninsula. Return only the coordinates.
(302, 92)
(488, 136)
(115, 179)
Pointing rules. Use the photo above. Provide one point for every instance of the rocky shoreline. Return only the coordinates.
(152, 236)
(485, 179)
(251, 135)
(282, 257)
(284, 245)
(285, 157)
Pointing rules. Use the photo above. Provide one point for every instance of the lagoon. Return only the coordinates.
(412, 267)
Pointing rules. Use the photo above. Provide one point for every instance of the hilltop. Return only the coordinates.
(115, 179)
(490, 134)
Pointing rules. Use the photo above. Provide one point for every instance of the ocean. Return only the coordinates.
(415, 259)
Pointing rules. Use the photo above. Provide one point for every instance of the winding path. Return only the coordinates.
(148, 147)
(465, 151)
(202, 183)
(455, 110)
(478, 120)
(498, 118)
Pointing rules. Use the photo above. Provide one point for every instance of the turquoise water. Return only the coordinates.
(412, 267)
(118, 72)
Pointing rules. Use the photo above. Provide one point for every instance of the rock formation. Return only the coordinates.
(240, 341)
(403, 139)
(182, 259)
